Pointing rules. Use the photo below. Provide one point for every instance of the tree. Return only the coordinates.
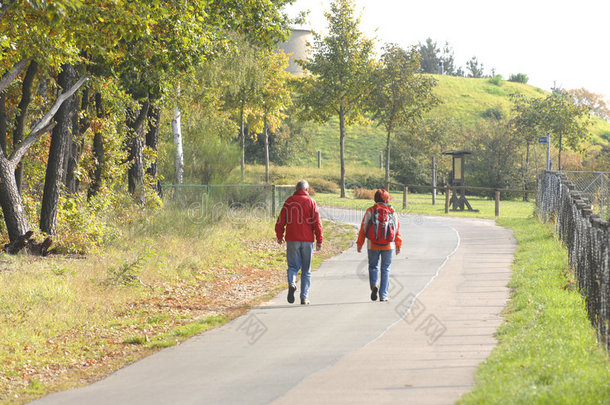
(273, 98)
(10, 199)
(421, 141)
(341, 68)
(136, 48)
(60, 141)
(567, 122)
(525, 128)
(401, 95)
(432, 56)
(21, 119)
(496, 161)
(429, 56)
(518, 78)
(243, 82)
(555, 114)
(177, 136)
(474, 68)
(596, 102)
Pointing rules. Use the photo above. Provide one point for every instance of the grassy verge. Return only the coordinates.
(66, 321)
(422, 204)
(547, 350)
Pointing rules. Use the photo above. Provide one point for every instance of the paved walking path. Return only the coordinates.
(423, 346)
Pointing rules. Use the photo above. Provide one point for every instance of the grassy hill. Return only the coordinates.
(466, 100)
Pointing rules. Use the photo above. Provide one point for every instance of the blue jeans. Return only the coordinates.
(298, 255)
(386, 261)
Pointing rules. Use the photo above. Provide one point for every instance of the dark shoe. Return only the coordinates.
(374, 290)
(304, 301)
(291, 289)
(383, 299)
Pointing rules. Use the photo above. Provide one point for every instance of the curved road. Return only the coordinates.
(447, 290)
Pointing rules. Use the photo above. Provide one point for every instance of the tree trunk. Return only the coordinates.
(22, 113)
(387, 158)
(177, 130)
(10, 200)
(135, 174)
(3, 119)
(98, 150)
(342, 148)
(79, 127)
(60, 138)
(266, 152)
(152, 141)
(242, 132)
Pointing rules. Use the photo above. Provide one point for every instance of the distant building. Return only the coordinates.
(296, 47)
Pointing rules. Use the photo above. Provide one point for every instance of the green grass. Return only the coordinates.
(362, 143)
(547, 352)
(422, 204)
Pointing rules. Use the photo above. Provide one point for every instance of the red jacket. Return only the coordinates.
(301, 218)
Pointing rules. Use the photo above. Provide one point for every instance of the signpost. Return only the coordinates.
(547, 139)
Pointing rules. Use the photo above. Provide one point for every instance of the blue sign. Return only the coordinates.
(543, 139)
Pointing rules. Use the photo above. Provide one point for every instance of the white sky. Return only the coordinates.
(562, 42)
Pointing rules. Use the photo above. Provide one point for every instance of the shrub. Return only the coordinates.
(496, 80)
(364, 194)
(493, 113)
(518, 78)
(321, 185)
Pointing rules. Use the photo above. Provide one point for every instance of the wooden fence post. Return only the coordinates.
(497, 203)
(405, 191)
(447, 192)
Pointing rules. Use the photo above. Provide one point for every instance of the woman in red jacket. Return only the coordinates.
(381, 228)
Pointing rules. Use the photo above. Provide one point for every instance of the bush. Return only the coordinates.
(364, 194)
(496, 80)
(321, 185)
(80, 225)
(493, 113)
(518, 78)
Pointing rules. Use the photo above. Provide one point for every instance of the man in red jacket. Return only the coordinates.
(301, 219)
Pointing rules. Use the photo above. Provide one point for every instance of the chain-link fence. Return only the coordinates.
(262, 200)
(587, 237)
(596, 187)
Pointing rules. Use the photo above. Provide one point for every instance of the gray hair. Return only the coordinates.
(302, 185)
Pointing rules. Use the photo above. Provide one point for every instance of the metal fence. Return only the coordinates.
(587, 237)
(263, 200)
(596, 187)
